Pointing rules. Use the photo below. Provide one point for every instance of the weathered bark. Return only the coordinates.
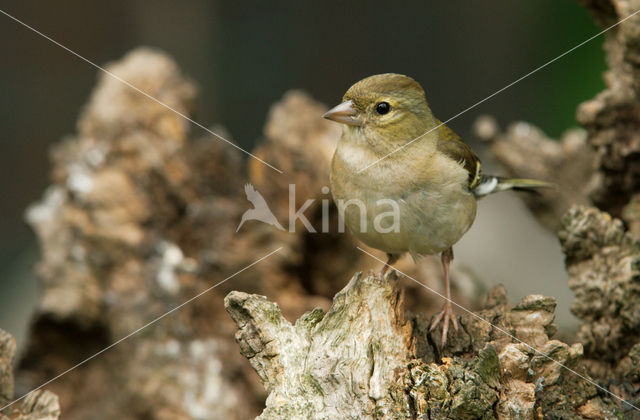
(362, 359)
(318, 366)
(40, 405)
(602, 262)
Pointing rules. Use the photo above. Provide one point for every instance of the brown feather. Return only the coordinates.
(451, 145)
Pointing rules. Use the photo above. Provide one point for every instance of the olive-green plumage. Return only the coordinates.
(393, 148)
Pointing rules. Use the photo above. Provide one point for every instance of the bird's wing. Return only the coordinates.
(254, 196)
(451, 145)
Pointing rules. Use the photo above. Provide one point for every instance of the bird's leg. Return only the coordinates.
(446, 315)
(391, 259)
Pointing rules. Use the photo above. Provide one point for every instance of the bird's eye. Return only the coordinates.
(383, 108)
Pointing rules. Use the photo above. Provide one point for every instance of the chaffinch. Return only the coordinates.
(402, 180)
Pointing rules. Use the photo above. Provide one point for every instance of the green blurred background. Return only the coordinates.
(244, 56)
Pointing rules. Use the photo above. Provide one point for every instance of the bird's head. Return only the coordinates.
(388, 110)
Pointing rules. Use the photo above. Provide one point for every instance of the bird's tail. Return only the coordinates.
(490, 184)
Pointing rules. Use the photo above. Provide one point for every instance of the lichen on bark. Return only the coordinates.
(363, 359)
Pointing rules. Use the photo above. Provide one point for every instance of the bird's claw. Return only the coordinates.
(445, 316)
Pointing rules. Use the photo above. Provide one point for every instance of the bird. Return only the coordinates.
(393, 150)
(261, 210)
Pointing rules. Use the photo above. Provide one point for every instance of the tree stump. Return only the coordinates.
(363, 360)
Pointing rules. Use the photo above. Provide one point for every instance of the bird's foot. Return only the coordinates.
(445, 316)
(391, 259)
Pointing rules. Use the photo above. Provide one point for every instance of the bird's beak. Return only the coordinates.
(344, 113)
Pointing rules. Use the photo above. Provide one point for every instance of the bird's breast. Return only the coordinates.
(396, 207)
